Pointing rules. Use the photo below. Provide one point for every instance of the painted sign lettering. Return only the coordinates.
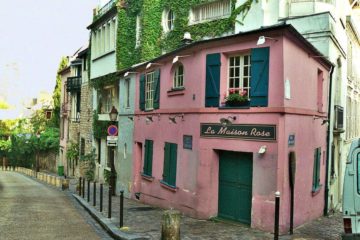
(243, 131)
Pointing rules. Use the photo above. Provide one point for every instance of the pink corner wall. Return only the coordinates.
(198, 169)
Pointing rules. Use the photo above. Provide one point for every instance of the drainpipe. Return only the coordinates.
(328, 145)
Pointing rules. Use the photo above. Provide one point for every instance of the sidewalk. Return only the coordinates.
(144, 222)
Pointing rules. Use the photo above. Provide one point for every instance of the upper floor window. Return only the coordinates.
(138, 31)
(210, 11)
(107, 98)
(168, 20)
(149, 91)
(239, 74)
(104, 38)
(178, 81)
(127, 93)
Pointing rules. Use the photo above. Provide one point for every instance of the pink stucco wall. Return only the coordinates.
(198, 169)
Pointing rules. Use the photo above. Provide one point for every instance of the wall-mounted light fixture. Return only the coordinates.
(113, 114)
(187, 38)
(227, 121)
(148, 119)
(262, 149)
(151, 64)
(262, 40)
(127, 73)
(172, 119)
(176, 58)
(131, 118)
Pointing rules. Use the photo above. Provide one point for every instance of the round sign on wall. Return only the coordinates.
(112, 130)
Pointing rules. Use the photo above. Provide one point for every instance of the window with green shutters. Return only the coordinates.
(149, 91)
(148, 156)
(170, 162)
(316, 171)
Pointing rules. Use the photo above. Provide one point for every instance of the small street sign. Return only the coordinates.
(111, 141)
(112, 130)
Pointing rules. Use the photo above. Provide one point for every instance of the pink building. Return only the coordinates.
(195, 153)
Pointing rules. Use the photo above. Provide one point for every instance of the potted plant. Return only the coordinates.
(237, 98)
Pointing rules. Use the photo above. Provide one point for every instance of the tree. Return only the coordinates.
(57, 92)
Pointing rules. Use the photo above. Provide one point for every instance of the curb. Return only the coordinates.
(110, 228)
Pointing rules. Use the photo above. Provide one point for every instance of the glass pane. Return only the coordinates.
(237, 72)
(237, 61)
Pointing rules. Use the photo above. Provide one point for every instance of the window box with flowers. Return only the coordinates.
(237, 98)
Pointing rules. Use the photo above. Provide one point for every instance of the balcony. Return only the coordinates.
(73, 84)
(105, 9)
(308, 7)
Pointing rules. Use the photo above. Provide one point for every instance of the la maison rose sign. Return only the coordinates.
(243, 131)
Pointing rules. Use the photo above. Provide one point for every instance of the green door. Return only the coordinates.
(235, 186)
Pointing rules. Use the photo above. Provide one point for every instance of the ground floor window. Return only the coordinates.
(148, 156)
(170, 162)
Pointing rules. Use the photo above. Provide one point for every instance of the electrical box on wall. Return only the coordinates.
(339, 118)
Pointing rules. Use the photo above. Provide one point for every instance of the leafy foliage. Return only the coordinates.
(89, 159)
(57, 91)
(99, 127)
(154, 41)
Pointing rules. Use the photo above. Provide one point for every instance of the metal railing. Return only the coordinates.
(105, 8)
(73, 84)
(313, 1)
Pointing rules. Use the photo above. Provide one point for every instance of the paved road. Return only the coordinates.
(31, 210)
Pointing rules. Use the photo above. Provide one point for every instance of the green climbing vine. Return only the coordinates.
(153, 41)
(99, 127)
(106, 80)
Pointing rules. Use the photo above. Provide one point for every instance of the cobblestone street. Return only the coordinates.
(32, 210)
(146, 220)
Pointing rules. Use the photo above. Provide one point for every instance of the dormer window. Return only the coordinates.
(178, 80)
(168, 20)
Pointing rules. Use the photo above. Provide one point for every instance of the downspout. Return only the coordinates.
(328, 145)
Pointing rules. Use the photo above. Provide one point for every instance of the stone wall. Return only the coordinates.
(86, 117)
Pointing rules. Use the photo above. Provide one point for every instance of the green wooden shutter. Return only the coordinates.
(166, 172)
(148, 157)
(142, 92)
(316, 171)
(157, 89)
(259, 83)
(212, 88)
(173, 163)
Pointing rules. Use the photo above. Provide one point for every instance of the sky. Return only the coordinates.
(34, 35)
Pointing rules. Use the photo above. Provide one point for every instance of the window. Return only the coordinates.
(320, 90)
(107, 99)
(210, 11)
(178, 81)
(168, 20)
(239, 74)
(138, 31)
(149, 91)
(82, 147)
(127, 93)
(75, 106)
(99, 151)
(148, 156)
(316, 171)
(170, 162)
(103, 39)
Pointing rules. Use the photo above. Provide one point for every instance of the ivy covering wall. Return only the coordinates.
(153, 41)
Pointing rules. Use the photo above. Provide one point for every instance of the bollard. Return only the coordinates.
(88, 192)
(121, 208)
(101, 197)
(94, 194)
(79, 186)
(170, 226)
(277, 212)
(83, 188)
(109, 205)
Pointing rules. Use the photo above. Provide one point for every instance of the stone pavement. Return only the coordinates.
(145, 221)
